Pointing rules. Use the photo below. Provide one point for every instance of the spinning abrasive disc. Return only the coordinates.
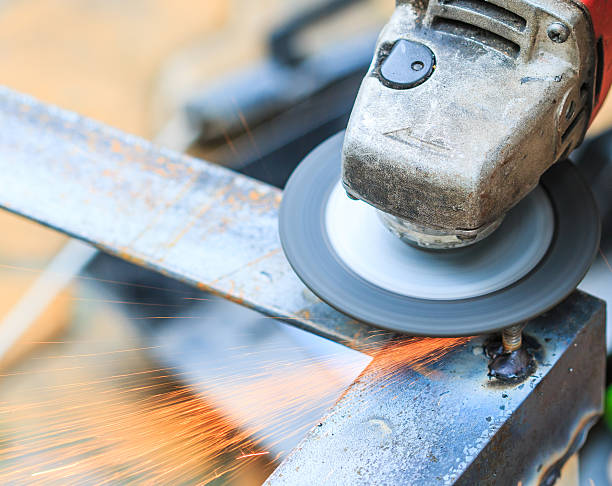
(342, 251)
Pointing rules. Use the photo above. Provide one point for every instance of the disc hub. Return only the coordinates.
(433, 238)
(364, 244)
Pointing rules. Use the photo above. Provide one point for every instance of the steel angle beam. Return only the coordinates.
(453, 425)
(184, 217)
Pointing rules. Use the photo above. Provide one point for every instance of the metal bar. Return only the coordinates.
(454, 425)
(183, 217)
(71, 260)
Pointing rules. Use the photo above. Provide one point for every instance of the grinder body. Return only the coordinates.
(466, 104)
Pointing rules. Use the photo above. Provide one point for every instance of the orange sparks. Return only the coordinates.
(146, 425)
(253, 454)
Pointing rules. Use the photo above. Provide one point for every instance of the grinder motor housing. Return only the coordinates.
(466, 104)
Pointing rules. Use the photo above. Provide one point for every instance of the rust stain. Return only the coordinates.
(263, 257)
(248, 265)
(161, 172)
(188, 185)
(203, 210)
(227, 295)
(236, 299)
(128, 256)
(116, 147)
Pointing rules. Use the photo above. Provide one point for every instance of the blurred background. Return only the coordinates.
(110, 373)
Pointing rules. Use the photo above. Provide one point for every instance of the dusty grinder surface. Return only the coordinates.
(341, 250)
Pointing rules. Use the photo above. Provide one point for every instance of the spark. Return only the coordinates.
(89, 355)
(605, 259)
(155, 425)
(94, 279)
(167, 317)
(110, 301)
(53, 370)
(54, 469)
(247, 129)
(229, 143)
(253, 454)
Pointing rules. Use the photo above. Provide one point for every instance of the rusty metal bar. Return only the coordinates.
(452, 425)
(181, 216)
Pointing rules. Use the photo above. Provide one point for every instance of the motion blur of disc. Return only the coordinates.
(341, 250)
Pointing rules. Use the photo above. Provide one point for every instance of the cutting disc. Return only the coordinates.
(342, 251)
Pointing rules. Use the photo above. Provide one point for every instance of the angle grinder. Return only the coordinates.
(448, 207)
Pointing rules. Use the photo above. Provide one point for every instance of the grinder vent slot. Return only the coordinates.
(478, 34)
(570, 129)
(494, 12)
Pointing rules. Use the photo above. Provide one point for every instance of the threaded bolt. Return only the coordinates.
(512, 338)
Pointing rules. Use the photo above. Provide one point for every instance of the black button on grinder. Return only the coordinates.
(407, 65)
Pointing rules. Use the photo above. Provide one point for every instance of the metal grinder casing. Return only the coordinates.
(506, 98)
